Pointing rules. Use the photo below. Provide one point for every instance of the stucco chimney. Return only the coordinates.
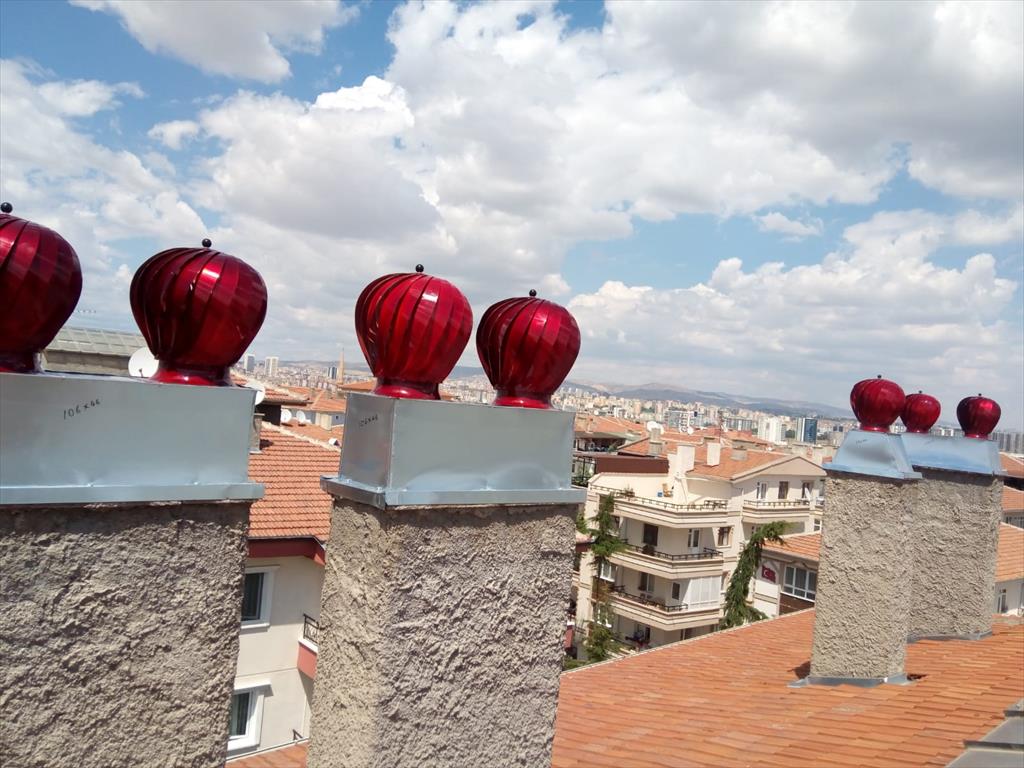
(428, 507)
(122, 544)
(685, 454)
(954, 534)
(714, 453)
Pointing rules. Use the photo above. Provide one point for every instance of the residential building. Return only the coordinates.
(270, 366)
(1010, 442)
(684, 529)
(787, 577)
(249, 363)
(277, 653)
(807, 430)
(772, 430)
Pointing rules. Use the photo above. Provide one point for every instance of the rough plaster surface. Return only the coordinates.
(863, 598)
(119, 633)
(954, 538)
(441, 636)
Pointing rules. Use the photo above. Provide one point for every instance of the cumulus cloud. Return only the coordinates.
(224, 38)
(82, 98)
(174, 133)
(796, 230)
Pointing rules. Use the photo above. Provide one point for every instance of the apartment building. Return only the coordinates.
(787, 576)
(1013, 490)
(683, 530)
(284, 575)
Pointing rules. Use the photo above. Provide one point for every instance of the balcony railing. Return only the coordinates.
(662, 503)
(777, 504)
(620, 591)
(707, 553)
(310, 629)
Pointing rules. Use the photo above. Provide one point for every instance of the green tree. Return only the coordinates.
(599, 642)
(604, 542)
(737, 610)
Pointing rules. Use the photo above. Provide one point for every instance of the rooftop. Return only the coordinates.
(724, 699)
(97, 342)
(1012, 465)
(290, 467)
(1009, 561)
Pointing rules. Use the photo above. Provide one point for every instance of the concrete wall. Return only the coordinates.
(118, 633)
(954, 539)
(267, 654)
(442, 636)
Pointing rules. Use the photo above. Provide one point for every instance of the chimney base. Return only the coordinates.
(860, 682)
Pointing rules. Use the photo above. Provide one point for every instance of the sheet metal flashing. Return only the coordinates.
(955, 454)
(84, 439)
(860, 682)
(437, 453)
(876, 454)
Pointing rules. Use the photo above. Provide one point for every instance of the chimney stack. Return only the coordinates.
(257, 430)
(864, 574)
(714, 453)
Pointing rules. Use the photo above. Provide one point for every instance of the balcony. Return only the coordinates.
(707, 562)
(308, 648)
(765, 511)
(310, 630)
(665, 511)
(657, 614)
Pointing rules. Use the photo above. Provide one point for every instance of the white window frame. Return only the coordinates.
(693, 538)
(728, 536)
(254, 721)
(789, 585)
(603, 615)
(648, 579)
(606, 571)
(266, 596)
(1002, 604)
(761, 490)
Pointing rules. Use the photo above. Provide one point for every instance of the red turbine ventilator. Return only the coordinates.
(412, 329)
(527, 347)
(199, 310)
(978, 416)
(40, 283)
(920, 412)
(876, 403)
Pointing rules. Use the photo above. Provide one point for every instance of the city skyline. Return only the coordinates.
(731, 222)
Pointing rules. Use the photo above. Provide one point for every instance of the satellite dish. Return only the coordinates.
(142, 364)
(261, 390)
(334, 441)
(653, 425)
(689, 430)
(301, 416)
(286, 416)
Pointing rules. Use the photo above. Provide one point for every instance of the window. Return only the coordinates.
(704, 591)
(606, 571)
(244, 719)
(725, 536)
(651, 534)
(646, 582)
(675, 590)
(805, 491)
(817, 524)
(602, 615)
(256, 593)
(783, 490)
(800, 583)
(693, 538)
(1001, 602)
(762, 491)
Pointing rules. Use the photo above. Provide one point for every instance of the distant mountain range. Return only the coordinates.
(656, 391)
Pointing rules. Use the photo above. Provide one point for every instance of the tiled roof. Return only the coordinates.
(324, 402)
(293, 504)
(313, 432)
(366, 385)
(1013, 466)
(727, 467)
(1013, 499)
(1009, 560)
(293, 756)
(724, 700)
(274, 395)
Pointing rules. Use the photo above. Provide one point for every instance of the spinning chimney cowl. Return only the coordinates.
(40, 284)
(412, 328)
(920, 412)
(527, 347)
(876, 403)
(978, 416)
(199, 310)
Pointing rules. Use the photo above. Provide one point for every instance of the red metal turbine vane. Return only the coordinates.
(920, 412)
(199, 310)
(40, 284)
(412, 329)
(978, 416)
(527, 347)
(876, 403)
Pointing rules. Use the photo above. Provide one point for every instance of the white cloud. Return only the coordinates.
(878, 305)
(797, 230)
(82, 98)
(225, 38)
(174, 133)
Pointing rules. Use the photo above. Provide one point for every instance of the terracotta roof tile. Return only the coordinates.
(1012, 465)
(724, 699)
(293, 504)
(1013, 499)
(1009, 559)
(293, 756)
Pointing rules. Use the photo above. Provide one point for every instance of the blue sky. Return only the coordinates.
(733, 198)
